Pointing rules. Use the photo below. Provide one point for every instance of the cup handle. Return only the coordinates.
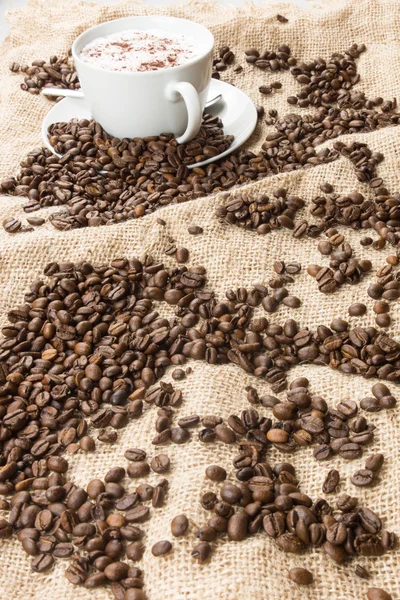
(193, 107)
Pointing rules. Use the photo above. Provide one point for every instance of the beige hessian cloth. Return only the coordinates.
(254, 569)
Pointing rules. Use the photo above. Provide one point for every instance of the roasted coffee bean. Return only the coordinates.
(289, 542)
(215, 473)
(182, 255)
(370, 404)
(357, 309)
(179, 525)
(301, 576)
(362, 572)
(331, 482)
(134, 594)
(42, 563)
(336, 553)
(161, 548)
(135, 455)
(188, 422)
(237, 526)
(116, 571)
(374, 462)
(380, 390)
(195, 229)
(350, 451)
(388, 540)
(201, 552)
(138, 469)
(115, 475)
(135, 551)
(378, 594)
(160, 463)
(346, 503)
(363, 478)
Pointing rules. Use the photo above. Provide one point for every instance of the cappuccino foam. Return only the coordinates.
(139, 50)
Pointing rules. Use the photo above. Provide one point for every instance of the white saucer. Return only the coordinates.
(236, 111)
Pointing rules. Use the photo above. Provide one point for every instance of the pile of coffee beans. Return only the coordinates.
(262, 213)
(270, 60)
(365, 477)
(83, 354)
(356, 211)
(88, 347)
(302, 420)
(343, 267)
(101, 180)
(56, 72)
(270, 501)
(382, 399)
(364, 160)
(221, 62)
(386, 290)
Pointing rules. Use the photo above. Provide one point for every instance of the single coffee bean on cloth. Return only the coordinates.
(182, 465)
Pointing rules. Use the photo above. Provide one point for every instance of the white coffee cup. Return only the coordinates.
(139, 104)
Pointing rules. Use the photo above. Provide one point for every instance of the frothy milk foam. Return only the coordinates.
(140, 50)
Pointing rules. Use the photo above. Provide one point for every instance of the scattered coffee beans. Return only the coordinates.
(301, 576)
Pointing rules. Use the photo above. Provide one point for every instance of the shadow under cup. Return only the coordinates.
(139, 104)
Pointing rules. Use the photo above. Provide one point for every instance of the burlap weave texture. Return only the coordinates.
(254, 569)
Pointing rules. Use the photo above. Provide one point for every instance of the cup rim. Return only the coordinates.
(157, 72)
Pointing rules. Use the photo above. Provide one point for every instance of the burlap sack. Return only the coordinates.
(254, 569)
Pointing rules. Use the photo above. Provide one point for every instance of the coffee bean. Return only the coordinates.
(195, 229)
(179, 525)
(216, 473)
(378, 594)
(388, 540)
(35, 221)
(374, 462)
(301, 576)
(42, 563)
(225, 434)
(178, 374)
(160, 463)
(12, 225)
(116, 571)
(182, 255)
(138, 514)
(115, 475)
(336, 553)
(201, 552)
(237, 527)
(135, 551)
(383, 320)
(362, 572)
(370, 404)
(346, 503)
(95, 580)
(363, 478)
(161, 548)
(188, 422)
(135, 454)
(350, 451)
(388, 402)
(380, 390)
(357, 309)
(331, 481)
(134, 594)
(179, 435)
(289, 542)
(138, 469)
